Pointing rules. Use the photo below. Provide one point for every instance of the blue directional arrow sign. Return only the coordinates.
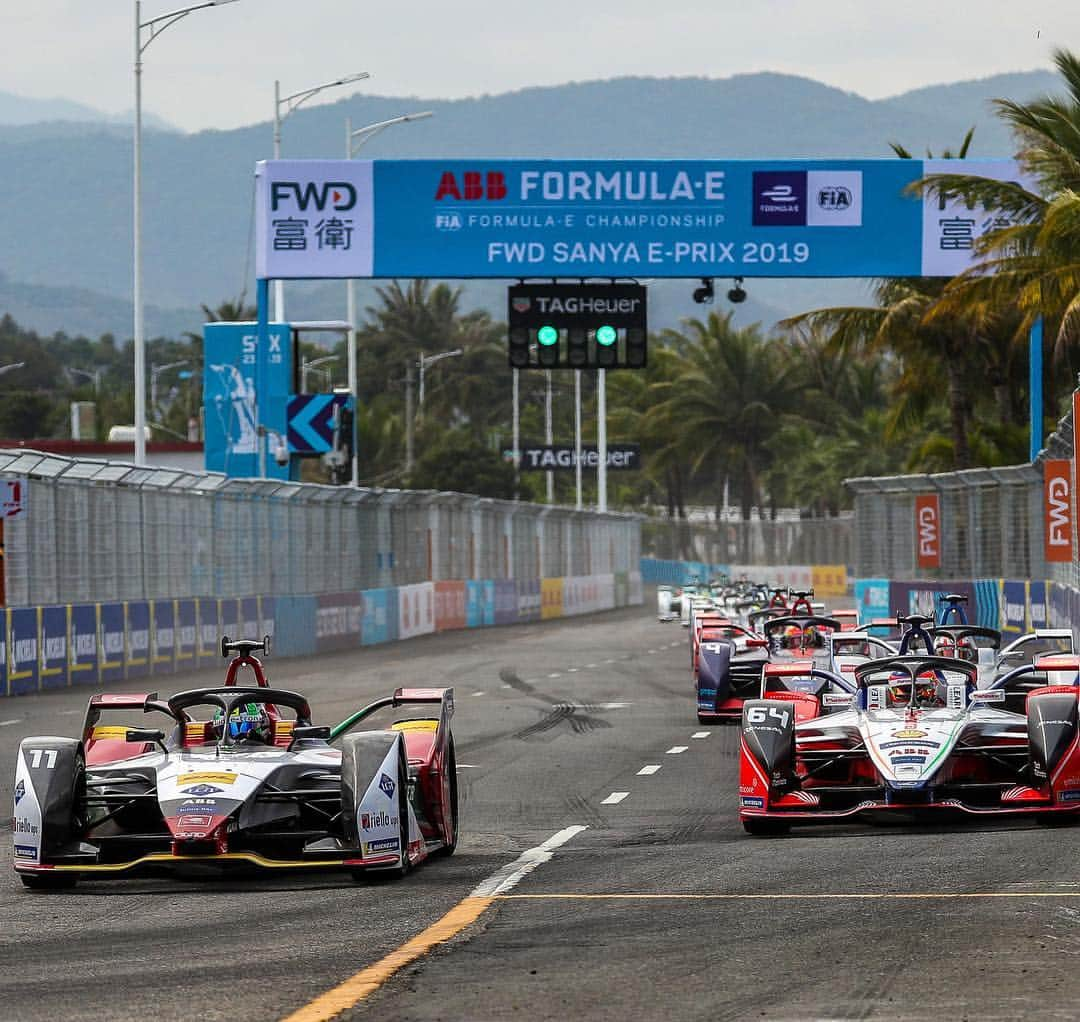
(311, 421)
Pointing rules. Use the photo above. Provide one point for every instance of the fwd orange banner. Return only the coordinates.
(1057, 510)
(449, 605)
(928, 530)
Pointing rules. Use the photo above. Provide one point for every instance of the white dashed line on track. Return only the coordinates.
(701, 734)
(467, 766)
(614, 798)
(676, 749)
(609, 661)
(5, 723)
(479, 693)
(571, 670)
(555, 674)
(589, 667)
(646, 771)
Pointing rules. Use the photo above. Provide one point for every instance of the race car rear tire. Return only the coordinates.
(766, 827)
(49, 881)
(451, 768)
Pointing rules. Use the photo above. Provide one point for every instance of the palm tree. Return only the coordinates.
(730, 391)
(1033, 265)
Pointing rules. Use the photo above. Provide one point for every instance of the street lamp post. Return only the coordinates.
(292, 103)
(430, 360)
(353, 141)
(155, 372)
(548, 438)
(145, 33)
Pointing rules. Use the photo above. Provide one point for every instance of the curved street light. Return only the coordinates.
(292, 103)
(145, 33)
(354, 139)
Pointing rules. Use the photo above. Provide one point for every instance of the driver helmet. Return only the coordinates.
(946, 646)
(899, 689)
(247, 722)
(927, 692)
(792, 637)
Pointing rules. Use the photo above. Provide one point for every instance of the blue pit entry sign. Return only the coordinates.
(613, 218)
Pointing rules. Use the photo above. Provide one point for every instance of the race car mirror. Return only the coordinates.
(835, 699)
(989, 695)
(308, 731)
(145, 735)
(757, 643)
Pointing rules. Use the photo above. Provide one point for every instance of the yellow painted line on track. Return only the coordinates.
(925, 896)
(368, 980)
(364, 983)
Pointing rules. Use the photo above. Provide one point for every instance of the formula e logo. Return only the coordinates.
(521, 304)
(338, 195)
(780, 193)
(473, 186)
(779, 198)
(387, 785)
(201, 789)
(834, 197)
(20, 790)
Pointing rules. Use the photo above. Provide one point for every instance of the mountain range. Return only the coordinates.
(65, 251)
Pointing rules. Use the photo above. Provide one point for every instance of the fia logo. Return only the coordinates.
(834, 198)
(447, 222)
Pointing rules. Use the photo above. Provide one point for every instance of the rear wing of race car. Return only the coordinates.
(444, 697)
(105, 701)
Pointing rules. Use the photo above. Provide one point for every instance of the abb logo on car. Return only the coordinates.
(928, 530)
(1057, 514)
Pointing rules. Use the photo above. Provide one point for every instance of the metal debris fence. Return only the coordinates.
(102, 531)
(991, 521)
(758, 541)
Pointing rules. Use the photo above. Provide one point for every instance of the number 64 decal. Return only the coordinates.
(35, 758)
(758, 715)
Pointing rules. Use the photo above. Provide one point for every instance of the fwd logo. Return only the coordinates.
(1057, 517)
(928, 530)
(338, 195)
(473, 186)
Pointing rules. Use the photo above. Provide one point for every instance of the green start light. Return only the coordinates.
(547, 336)
(606, 335)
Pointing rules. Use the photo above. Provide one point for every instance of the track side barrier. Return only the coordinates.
(102, 643)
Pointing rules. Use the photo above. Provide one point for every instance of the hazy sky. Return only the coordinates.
(216, 68)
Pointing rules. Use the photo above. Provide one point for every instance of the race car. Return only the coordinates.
(918, 737)
(726, 668)
(236, 776)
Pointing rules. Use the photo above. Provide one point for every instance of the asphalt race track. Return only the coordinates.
(660, 908)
